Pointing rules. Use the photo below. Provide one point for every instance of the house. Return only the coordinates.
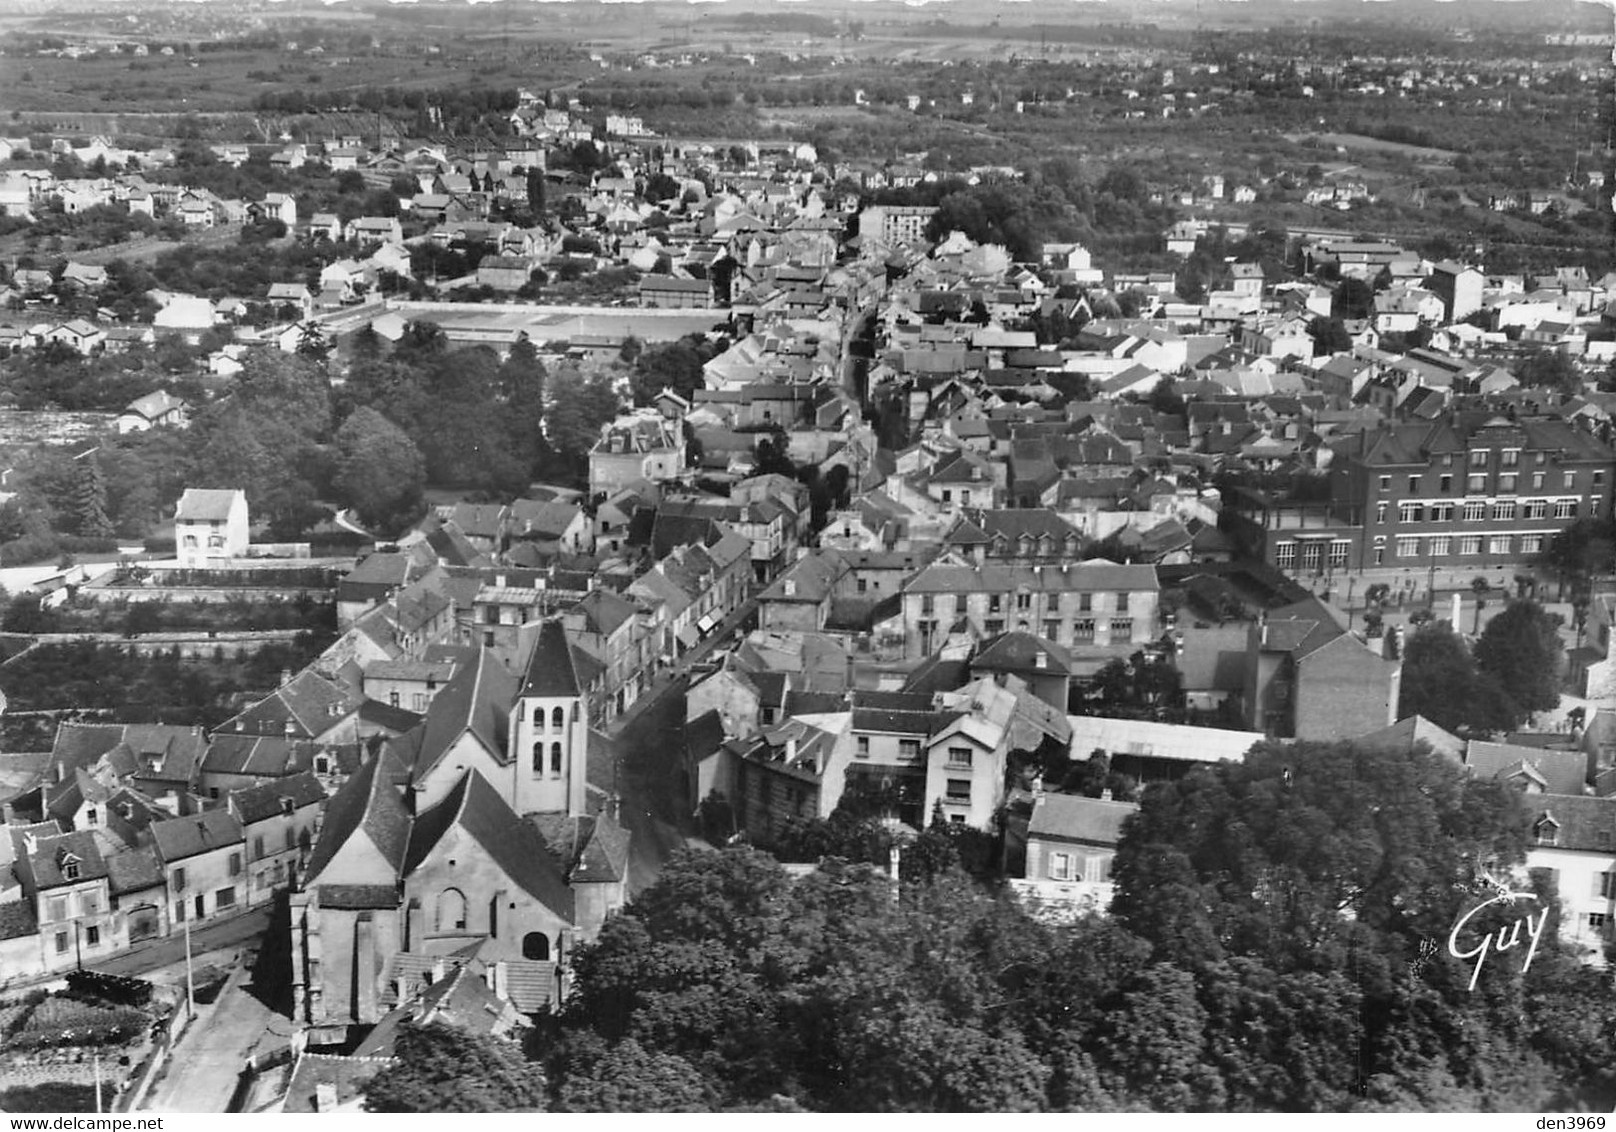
(203, 857)
(275, 206)
(1095, 610)
(278, 824)
(1308, 678)
(210, 524)
(1071, 841)
(155, 410)
(1575, 837)
(374, 230)
(800, 598)
(504, 272)
(77, 335)
(65, 877)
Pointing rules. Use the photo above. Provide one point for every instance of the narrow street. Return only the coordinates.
(205, 1067)
(649, 739)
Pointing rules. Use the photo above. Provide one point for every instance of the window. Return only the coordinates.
(201, 906)
(995, 603)
(392, 699)
(1498, 544)
(1385, 483)
(863, 585)
(1475, 484)
(1121, 605)
(61, 943)
(1445, 484)
(1083, 630)
(863, 746)
(1475, 511)
(225, 898)
(1599, 477)
(235, 864)
(1085, 602)
(1121, 628)
(1540, 457)
(1410, 513)
(1340, 549)
(1024, 601)
(538, 756)
(1509, 458)
(1380, 511)
(1312, 554)
(1408, 548)
(89, 816)
(959, 790)
(1447, 459)
(451, 910)
(1536, 508)
(927, 606)
(179, 880)
(948, 496)
(959, 757)
(92, 936)
(558, 719)
(993, 626)
(1504, 512)
(908, 749)
(1439, 546)
(1379, 552)
(1414, 484)
(1442, 512)
(555, 758)
(291, 838)
(179, 911)
(1548, 833)
(1531, 544)
(1051, 630)
(57, 908)
(1052, 602)
(258, 847)
(1285, 555)
(70, 870)
(1470, 544)
(418, 702)
(1568, 482)
(1537, 481)
(1605, 885)
(1597, 921)
(1060, 866)
(1478, 458)
(536, 947)
(1565, 508)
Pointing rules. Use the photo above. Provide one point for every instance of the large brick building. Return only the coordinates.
(1470, 493)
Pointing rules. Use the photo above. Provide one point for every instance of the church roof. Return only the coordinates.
(550, 671)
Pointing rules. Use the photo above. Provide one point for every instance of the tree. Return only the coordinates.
(535, 192)
(440, 1068)
(90, 500)
(1520, 649)
(379, 471)
(1354, 299)
(1552, 369)
(311, 341)
(1442, 683)
(630, 1078)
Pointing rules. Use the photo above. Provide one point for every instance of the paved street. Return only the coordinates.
(206, 1065)
(650, 746)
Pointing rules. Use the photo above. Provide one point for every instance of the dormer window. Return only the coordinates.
(70, 866)
(1547, 831)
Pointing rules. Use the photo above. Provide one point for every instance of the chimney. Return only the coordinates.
(8, 813)
(286, 676)
(291, 728)
(791, 749)
(438, 970)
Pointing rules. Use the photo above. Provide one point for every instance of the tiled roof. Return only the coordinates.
(368, 802)
(477, 808)
(201, 505)
(1584, 822)
(1021, 652)
(478, 701)
(180, 838)
(255, 803)
(550, 669)
(1074, 818)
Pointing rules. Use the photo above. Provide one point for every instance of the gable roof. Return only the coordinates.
(1077, 819)
(202, 505)
(515, 845)
(476, 700)
(179, 838)
(255, 803)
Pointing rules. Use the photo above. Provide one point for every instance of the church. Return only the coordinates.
(476, 837)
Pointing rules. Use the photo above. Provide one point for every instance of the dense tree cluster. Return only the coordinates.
(440, 1068)
(1510, 673)
(1268, 950)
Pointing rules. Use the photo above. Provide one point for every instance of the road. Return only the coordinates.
(205, 1067)
(649, 739)
(163, 960)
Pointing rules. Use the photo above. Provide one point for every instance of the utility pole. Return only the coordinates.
(190, 980)
(97, 1057)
